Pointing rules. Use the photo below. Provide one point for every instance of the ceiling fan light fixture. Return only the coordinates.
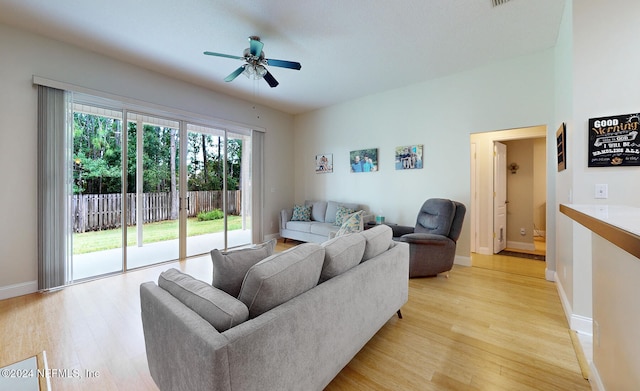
(496, 3)
(255, 71)
(254, 63)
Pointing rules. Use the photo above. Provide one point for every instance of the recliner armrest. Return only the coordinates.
(430, 239)
(400, 230)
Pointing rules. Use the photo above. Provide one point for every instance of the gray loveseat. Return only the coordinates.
(321, 224)
(300, 344)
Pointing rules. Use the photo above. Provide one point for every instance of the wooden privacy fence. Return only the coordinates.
(95, 212)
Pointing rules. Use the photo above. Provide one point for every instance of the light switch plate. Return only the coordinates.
(602, 191)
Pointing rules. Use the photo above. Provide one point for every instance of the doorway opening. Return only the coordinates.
(508, 187)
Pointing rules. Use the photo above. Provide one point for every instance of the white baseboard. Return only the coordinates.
(15, 290)
(579, 323)
(594, 378)
(550, 275)
(582, 325)
(271, 236)
(462, 261)
(485, 251)
(521, 245)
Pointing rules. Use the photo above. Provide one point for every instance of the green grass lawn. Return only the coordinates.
(154, 232)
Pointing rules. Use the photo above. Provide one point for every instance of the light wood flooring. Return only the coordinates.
(480, 329)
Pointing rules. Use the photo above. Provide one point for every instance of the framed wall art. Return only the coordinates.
(409, 157)
(324, 163)
(613, 141)
(561, 143)
(364, 160)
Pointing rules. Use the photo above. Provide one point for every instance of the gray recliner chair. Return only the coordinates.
(432, 242)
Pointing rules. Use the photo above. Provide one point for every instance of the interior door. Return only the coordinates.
(499, 197)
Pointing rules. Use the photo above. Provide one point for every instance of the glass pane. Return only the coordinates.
(152, 191)
(206, 208)
(238, 190)
(97, 192)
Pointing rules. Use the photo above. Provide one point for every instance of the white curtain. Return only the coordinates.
(55, 119)
(257, 195)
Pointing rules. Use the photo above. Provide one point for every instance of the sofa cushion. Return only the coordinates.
(281, 277)
(229, 268)
(301, 213)
(318, 210)
(218, 308)
(323, 229)
(332, 209)
(302, 226)
(341, 254)
(352, 224)
(378, 241)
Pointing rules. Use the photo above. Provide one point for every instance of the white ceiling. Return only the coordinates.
(347, 48)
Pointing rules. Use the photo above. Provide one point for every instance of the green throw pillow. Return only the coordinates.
(301, 213)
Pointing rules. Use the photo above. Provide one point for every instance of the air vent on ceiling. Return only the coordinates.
(496, 3)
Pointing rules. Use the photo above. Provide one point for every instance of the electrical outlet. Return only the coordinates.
(602, 191)
(523, 231)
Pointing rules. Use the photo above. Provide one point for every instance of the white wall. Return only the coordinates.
(562, 231)
(616, 315)
(605, 79)
(441, 114)
(24, 55)
(596, 75)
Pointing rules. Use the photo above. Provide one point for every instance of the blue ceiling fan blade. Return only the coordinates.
(268, 77)
(223, 55)
(284, 64)
(255, 46)
(235, 74)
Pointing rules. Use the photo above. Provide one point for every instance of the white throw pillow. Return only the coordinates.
(352, 224)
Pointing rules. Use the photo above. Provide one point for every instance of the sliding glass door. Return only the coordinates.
(152, 190)
(129, 208)
(97, 202)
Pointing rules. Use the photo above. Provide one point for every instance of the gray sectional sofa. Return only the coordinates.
(321, 225)
(361, 281)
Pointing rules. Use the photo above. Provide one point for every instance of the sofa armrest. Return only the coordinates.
(285, 216)
(430, 239)
(400, 230)
(368, 217)
(173, 333)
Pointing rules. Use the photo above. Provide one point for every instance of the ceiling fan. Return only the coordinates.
(255, 63)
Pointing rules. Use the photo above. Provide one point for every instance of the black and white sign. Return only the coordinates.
(614, 141)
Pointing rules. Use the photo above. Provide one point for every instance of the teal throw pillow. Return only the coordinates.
(341, 214)
(301, 213)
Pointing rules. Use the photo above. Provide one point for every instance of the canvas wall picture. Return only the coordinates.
(561, 143)
(324, 163)
(364, 160)
(614, 141)
(409, 157)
